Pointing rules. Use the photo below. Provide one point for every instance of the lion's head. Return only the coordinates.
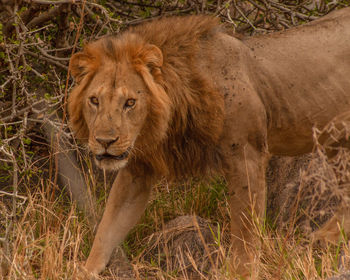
(140, 95)
(117, 99)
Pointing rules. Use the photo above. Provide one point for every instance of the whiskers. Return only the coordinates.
(134, 152)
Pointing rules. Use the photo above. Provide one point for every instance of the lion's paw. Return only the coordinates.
(81, 273)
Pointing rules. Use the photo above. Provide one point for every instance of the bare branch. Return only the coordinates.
(58, 2)
(44, 17)
(53, 57)
(47, 59)
(285, 9)
(22, 111)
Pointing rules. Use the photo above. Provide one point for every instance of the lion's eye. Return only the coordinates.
(94, 100)
(130, 103)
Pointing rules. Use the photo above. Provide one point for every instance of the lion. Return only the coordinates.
(180, 97)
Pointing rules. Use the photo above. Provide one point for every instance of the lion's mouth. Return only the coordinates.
(113, 157)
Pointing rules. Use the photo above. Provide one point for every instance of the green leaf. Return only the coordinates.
(27, 141)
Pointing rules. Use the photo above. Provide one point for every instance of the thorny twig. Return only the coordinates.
(59, 2)
(6, 239)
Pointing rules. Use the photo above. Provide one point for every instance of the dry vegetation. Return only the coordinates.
(44, 236)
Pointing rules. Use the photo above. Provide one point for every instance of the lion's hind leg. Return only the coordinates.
(247, 192)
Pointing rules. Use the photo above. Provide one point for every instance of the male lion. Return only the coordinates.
(178, 97)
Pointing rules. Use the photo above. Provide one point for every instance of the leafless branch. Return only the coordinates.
(51, 56)
(58, 2)
(46, 59)
(285, 9)
(23, 111)
(44, 17)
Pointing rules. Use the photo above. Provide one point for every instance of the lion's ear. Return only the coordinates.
(152, 56)
(79, 65)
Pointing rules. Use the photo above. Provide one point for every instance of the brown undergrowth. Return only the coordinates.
(49, 238)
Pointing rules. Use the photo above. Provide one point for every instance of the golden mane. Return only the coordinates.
(186, 112)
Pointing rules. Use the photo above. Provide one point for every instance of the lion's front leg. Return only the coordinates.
(125, 205)
(247, 191)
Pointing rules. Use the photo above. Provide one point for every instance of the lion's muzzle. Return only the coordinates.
(109, 156)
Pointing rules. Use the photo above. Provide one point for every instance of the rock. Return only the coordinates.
(120, 266)
(342, 276)
(304, 192)
(188, 245)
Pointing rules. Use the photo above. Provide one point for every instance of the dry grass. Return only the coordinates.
(47, 238)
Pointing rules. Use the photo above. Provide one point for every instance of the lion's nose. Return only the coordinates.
(106, 142)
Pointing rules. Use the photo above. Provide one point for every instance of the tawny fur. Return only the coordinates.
(186, 113)
(203, 102)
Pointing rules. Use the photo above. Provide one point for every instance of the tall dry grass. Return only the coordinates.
(47, 238)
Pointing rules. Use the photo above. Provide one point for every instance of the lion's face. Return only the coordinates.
(115, 109)
(118, 106)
